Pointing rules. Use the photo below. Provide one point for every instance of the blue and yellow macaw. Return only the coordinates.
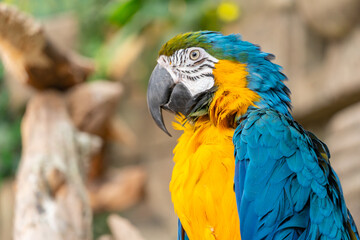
(242, 164)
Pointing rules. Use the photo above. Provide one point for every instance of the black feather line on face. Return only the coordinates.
(199, 61)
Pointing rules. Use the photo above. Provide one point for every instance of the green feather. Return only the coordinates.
(183, 41)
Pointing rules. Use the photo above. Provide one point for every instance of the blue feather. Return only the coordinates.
(295, 162)
(181, 232)
(284, 186)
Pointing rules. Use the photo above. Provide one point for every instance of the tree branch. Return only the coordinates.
(51, 200)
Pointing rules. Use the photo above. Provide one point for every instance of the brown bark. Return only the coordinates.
(91, 107)
(51, 200)
(118, 190)
(29, 54)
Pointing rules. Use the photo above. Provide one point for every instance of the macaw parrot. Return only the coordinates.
(244, 168)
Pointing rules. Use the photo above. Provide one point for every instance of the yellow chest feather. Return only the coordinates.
(203, 177)
(202, 183)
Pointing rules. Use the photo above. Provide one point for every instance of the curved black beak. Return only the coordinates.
(158, 94)
(164, 93)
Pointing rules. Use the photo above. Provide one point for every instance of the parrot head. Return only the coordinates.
(207, 74)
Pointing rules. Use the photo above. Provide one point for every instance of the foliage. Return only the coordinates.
(145, 18)
(100, 226)
(10, 138)
(106, 24)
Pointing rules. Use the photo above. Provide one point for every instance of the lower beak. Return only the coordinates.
(163, 93)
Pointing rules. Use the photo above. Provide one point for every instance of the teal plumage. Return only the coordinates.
(288, 190)
(265, 77)
(284, 184)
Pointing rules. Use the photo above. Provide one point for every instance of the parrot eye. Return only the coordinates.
(194, 55)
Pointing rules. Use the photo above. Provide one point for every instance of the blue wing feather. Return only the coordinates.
(181, 232)
(284, 184)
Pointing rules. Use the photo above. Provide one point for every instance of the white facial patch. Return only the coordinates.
(192, 66)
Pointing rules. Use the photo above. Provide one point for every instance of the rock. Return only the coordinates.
(330, 18)
(332, 86)
(343, 138)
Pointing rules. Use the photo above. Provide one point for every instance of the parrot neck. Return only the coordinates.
(239, 87)
(233, 97)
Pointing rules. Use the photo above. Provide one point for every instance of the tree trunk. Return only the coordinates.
(51, 200)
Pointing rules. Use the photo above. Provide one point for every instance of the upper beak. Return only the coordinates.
(164, 93)
(159, 90)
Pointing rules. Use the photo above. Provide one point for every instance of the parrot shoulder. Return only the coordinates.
(284, 183)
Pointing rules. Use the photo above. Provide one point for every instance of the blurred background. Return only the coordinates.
(317, 43)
